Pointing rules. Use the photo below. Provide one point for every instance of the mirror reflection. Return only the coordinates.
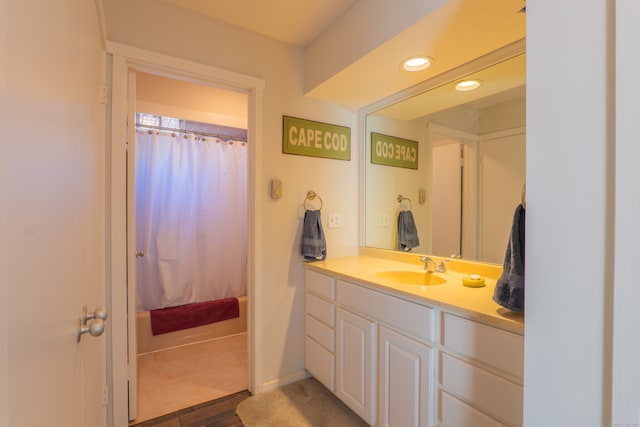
(470, 170)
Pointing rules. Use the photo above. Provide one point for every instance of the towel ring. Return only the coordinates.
(311, 195)
(401, 199)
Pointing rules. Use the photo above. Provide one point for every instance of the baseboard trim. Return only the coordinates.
(279, 382)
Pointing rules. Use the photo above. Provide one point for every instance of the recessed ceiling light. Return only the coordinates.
(417, 63)
(467, 85)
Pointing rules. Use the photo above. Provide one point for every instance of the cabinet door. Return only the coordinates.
(405, 381)
(355, 353)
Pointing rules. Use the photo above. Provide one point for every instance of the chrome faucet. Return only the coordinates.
(431, 267)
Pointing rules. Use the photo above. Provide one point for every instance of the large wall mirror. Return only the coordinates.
(470, 171)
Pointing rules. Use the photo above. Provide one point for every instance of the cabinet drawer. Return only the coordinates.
(321, 284)
(320, 309)
(320, 363)
(499, 349)
(454, 413)
(410, 317)
(498, 397)
(321, 333)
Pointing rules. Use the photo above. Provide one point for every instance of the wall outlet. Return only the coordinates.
(383, 221)
(334, 220)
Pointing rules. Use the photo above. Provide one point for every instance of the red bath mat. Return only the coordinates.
(172, 319)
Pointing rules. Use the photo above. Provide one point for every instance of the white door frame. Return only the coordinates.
(126, 58)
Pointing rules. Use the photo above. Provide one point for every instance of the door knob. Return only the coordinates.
(95, 328)
(99, 313)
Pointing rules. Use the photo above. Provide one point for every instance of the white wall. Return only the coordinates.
(155, 26)
(506, 115)
(569, 214)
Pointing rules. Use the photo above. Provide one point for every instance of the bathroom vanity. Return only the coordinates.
(401, 350)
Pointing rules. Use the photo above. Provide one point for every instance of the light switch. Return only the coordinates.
(276, 188)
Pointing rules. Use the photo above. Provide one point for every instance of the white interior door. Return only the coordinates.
(52, 222)
(446, 194)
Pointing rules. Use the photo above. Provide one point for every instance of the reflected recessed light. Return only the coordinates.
(417, 63)
(467, 85)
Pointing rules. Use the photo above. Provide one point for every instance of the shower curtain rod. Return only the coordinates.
(194, 132)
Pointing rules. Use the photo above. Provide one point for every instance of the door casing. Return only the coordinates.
(123, 60)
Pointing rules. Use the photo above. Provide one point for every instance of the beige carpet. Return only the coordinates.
(303, 403)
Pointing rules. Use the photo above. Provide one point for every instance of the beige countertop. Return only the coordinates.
(452, 296)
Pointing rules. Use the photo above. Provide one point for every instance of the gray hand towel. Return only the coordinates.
(314, 246)
(509, 291)
(407, 232)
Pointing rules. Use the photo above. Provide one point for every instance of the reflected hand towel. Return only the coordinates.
(314, 245)
(407, 232)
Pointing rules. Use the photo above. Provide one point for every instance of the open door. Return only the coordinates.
(52, 218)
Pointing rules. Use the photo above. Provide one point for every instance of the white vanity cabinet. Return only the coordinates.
(480, 375)
(401, 362)
(381, 356)
(403, 374)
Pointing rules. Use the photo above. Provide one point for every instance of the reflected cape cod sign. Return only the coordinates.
(391, 151)
(310, 138)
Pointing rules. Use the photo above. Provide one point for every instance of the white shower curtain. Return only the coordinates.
(191, 216)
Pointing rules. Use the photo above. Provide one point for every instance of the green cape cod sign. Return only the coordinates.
(391, 151)
(309, 138)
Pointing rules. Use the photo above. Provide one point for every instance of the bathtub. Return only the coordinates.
(147, 342)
